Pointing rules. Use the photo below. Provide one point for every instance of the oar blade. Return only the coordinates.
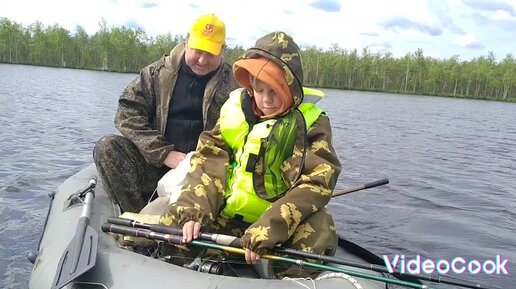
(66, 270)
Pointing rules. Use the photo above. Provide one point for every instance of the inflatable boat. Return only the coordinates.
(77, 251)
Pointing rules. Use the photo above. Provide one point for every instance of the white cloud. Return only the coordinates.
(468, 40)
(503, 15)
(439, 27)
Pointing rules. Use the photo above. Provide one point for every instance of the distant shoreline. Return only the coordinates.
(127, 50)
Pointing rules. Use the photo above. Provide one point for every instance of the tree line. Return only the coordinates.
(123, 49)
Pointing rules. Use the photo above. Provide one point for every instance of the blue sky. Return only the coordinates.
(441, 28)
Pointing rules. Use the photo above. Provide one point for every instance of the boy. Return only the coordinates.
(267, 170)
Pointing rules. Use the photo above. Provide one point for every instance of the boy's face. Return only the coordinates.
(265, 97)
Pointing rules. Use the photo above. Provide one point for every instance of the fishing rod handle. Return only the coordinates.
(123, 230)
(217, 238)
(376, 183)
(223, 239)
(153, 227)
(144, 233)
(121, 221)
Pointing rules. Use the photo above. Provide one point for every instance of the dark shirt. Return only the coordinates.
(184, 122)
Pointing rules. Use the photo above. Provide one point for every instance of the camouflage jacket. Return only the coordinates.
(202, 198)
(143, 106)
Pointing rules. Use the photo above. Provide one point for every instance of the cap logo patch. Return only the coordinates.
(208, 29)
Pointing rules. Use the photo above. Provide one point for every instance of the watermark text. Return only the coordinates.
(458, 265)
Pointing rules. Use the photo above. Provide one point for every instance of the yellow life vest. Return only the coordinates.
(248, 143)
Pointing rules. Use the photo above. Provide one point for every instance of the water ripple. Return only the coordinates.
(451, 165)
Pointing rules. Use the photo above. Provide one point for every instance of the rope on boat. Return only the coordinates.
(296, 280)
(325, 276)
(341, 275)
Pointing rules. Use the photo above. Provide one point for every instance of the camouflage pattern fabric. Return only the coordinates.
(297, 219)
(131, 170)
(282, 50)
(127, 177)
(314, 235)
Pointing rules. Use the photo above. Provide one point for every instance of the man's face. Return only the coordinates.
(202, 62)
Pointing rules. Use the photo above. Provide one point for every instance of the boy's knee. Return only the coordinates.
(318, 232)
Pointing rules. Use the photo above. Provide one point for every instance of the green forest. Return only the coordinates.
(122, 49)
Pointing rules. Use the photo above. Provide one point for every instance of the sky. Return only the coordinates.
(441, 28)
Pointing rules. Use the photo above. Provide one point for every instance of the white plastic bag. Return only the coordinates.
(171, 183)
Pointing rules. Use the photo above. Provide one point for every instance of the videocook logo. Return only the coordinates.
(457, 265)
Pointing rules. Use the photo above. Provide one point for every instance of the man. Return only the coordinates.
(162, 113)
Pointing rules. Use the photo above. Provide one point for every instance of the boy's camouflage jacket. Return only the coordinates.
(202, 197)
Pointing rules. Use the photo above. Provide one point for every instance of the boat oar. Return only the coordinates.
(361, 187)
(81, 253)
(232, 241)
(177, 239)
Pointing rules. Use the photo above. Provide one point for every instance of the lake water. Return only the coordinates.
(451, 165)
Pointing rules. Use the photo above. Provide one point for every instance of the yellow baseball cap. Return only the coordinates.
(207, 34)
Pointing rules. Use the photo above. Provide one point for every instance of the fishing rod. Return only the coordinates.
(224, 239)
(177, 240)
(216, 238)
(232, 241)
(361, 187)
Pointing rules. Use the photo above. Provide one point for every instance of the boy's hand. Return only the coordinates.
(191, 230)
(251, 257)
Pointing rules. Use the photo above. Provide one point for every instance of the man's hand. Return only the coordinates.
(173, 159)
(191, 230)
